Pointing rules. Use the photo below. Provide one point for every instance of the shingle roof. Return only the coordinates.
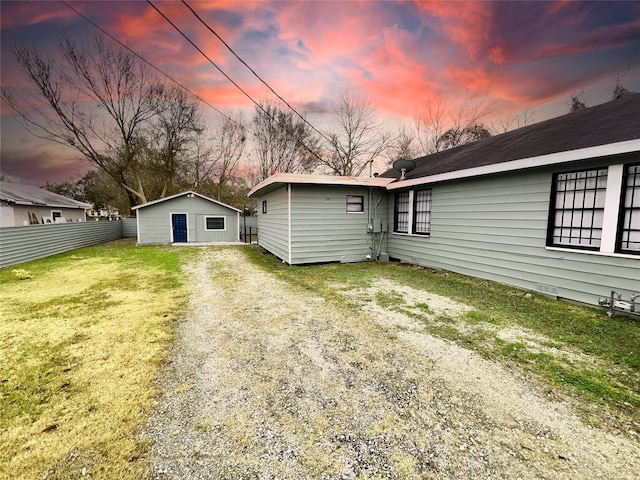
(20, 194)
(611, 122)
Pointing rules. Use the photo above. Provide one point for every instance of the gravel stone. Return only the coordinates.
(270, 382)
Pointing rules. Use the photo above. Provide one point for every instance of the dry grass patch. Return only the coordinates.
(80, 344)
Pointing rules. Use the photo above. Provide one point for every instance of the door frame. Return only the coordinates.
(186, 215)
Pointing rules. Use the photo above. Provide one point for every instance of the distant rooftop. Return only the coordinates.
(20, 194)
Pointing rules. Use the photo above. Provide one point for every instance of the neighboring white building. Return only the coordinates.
(30, 205)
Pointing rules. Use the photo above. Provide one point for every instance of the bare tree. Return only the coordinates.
(445, 125)
(577, 101)
(522, 119)
(284, 143)
(231, 140)
(101, 100)
(358, 138)
(404, 146)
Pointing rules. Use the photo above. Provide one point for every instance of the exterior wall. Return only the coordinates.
(6, 215)
(24, 243)
(496, 228)
(21, 214)
(154, 221)
(322, 230)
(274, 225)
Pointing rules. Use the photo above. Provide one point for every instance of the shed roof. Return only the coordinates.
(190, 192)
(279, 179)
(20, 194)
(615, 122)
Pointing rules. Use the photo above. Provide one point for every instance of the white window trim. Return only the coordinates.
(359, 212)
(224, 221)
(592, 252)
(410, 232)
(612, 201)
(611, 208)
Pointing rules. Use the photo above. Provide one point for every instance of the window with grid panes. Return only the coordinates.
(401, 213)
(422, 212)
(578, 209)
(629, 228)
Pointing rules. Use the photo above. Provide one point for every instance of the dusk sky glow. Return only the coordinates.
(398, 54)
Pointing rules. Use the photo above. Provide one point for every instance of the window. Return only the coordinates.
(214, 223)
(401, 213)
(264, 206)
(422, 212)
(577, 211)
(355, 204)
(629, 228)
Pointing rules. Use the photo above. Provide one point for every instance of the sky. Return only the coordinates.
(398, 55)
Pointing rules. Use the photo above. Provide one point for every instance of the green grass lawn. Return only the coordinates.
(81, 342)
(579, 350)
(83, 338)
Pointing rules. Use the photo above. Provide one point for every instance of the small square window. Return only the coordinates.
(214, 223)
(264, 206)
(355, 204)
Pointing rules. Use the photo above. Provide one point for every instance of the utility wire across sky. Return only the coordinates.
(142, 58)
(166, 75)
(257, 104)
(253, 71)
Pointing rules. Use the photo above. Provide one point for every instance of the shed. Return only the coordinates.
(320, 218)
(187, 217)
(29, 205)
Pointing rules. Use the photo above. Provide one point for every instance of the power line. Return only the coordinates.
(152, 65)
(252, 70)
(257, 104)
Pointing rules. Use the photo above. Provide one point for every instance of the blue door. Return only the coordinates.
(179, 226)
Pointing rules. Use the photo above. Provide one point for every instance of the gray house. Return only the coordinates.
(553, 207)
(315, 218)
(187, 217)
(30, 205)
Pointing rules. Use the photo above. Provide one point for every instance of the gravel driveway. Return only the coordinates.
(269, 382)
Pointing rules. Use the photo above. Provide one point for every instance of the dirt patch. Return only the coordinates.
(270, 382)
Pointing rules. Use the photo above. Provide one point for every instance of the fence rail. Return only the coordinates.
(29, 242)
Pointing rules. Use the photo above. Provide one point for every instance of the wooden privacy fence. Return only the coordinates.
(24, 243)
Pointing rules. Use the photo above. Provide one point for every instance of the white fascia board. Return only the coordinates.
(627, 146)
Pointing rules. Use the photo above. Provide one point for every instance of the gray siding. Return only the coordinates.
(322, 229)
(24, 243)
(496, 228)
(274, 225)
(129, 228)
(154, 221)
